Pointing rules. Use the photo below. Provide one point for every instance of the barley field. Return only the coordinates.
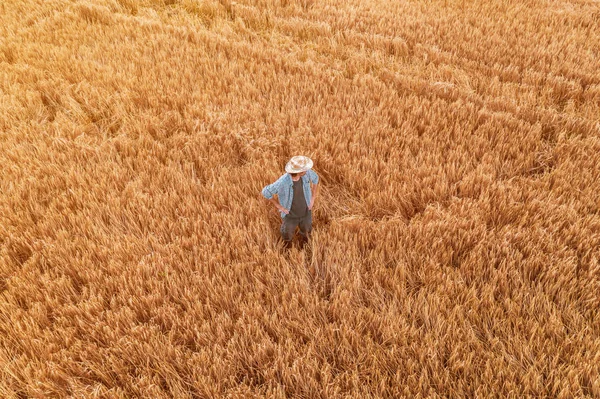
(456, 241)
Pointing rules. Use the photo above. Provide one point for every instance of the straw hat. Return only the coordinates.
(298, 164)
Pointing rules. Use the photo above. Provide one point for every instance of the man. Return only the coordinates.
(295, 198)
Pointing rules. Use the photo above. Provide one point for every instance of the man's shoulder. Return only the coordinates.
(312, 175)
(283, 179)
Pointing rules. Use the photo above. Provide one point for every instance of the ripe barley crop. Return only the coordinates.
(455, 246)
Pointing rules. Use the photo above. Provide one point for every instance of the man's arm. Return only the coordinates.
(314, 179)
(268, 193)
(278, 206)
(315, 194)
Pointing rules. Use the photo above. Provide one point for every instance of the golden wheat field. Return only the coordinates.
(456, 241)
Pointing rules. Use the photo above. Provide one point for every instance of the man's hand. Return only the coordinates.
(278, 206)
(312, 203)
(282, 209)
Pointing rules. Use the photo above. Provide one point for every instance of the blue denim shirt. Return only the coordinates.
(284, 188)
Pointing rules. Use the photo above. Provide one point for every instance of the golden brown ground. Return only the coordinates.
(456, 246)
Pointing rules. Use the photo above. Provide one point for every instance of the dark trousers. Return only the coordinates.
(288, 226)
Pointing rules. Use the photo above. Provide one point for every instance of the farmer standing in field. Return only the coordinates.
(295, 198)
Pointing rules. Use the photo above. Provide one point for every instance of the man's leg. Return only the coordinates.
(288, 228)
(305, 228)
